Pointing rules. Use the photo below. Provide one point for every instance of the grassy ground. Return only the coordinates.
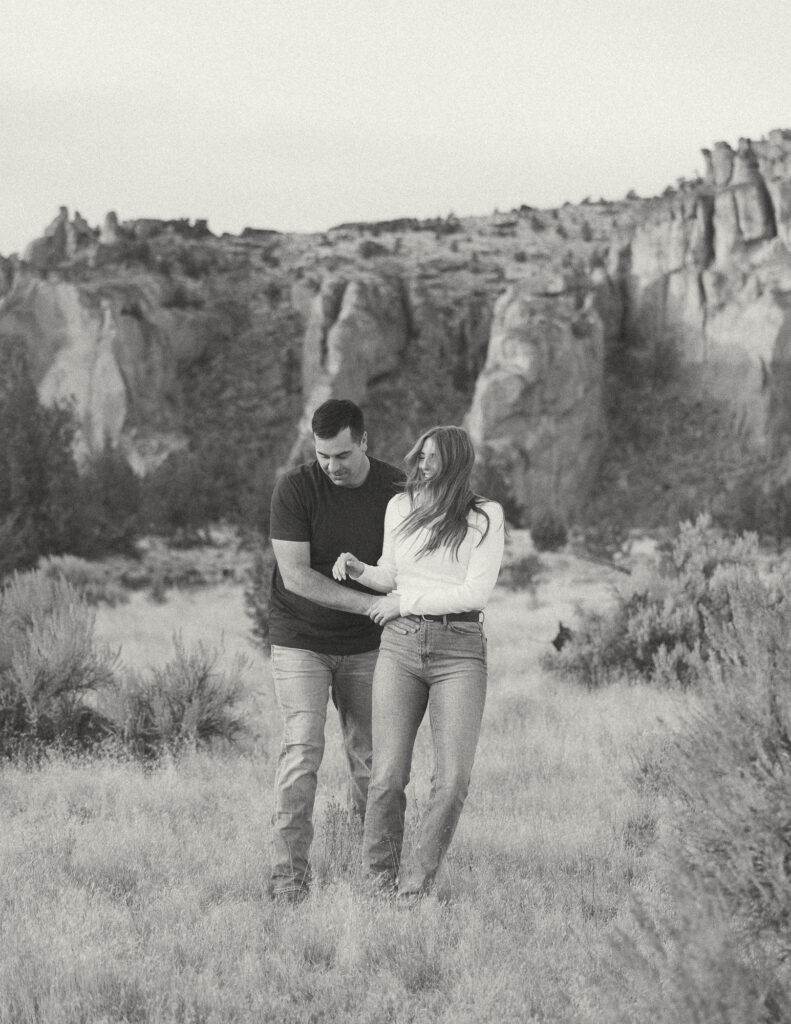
(139, 895)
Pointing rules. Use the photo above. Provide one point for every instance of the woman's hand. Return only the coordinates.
(385, 609)
(347, 565)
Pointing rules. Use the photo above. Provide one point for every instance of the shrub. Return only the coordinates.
(186, 703)
(758, 506)
(94, 582)
(722, 951)
(660, 627)
(180, 498)
(369, 249)
(51, 667)
(178, 295)
(548, 529)
(111, 497)
(258, 589)
(39, 485)
(520, 574)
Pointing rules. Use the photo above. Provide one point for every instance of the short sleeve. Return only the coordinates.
(289, 515)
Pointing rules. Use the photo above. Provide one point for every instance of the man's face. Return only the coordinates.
(342, 458)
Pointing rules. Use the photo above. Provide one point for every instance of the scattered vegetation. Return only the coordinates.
(95, 582)
(520, 574)
(51, 668)
(721, 949)
(663, 621)
(39, 483)
(257, 590)
(672, 456)
(60, 686)
(548, 529)
(184, 703)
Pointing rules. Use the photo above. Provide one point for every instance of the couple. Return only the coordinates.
(359, 547)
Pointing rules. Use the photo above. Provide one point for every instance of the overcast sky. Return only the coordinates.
(299, 114)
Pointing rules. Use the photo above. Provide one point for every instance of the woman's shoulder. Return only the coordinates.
(399, 503)
(492, 509)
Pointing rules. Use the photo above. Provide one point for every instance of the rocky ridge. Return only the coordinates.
(160, 331)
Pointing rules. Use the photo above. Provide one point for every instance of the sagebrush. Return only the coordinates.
(659, 627)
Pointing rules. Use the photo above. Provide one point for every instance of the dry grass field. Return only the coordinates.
(132, 894)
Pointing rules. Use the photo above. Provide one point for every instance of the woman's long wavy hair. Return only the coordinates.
(443, 503)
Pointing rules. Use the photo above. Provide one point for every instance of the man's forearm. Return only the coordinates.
(316, 587)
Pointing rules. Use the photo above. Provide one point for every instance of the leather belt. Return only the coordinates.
(452, 617)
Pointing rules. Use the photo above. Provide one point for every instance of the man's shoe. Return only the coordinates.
(292, 895)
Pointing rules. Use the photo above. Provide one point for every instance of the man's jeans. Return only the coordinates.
(443, 667)
(303, 683)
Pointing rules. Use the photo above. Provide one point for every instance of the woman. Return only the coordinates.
(443, 545)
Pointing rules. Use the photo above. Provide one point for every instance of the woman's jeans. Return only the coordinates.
(422, 664)
(304, 682)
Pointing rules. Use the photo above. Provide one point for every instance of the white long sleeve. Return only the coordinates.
(437, 583)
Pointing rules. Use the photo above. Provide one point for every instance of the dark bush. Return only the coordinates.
(548, 529)
(40, 509)
(258, 589)
(177, 295)
(368, 249)
(111, 496)
(181, 498)
(520, 574)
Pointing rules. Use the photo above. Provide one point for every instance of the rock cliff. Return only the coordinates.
(163, 334)
(708, 279)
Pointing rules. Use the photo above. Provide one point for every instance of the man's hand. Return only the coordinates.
(347, 565)
(293, 560)
(385, 609)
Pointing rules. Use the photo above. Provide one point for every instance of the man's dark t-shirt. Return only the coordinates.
(308, 506)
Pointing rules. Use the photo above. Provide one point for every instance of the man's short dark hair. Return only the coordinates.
(335, 415)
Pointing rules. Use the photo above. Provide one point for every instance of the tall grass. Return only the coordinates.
(140, 894)
(61, 685)
(605, 868)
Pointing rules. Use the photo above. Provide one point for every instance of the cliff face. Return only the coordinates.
(538, 413)
(162, 334)
(116, 353)
(708, 279)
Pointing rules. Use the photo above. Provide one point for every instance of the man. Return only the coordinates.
(322, 641)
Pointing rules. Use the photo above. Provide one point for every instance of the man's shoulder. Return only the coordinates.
(384, 472)
(298, 476)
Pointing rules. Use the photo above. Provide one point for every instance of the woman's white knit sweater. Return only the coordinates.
(438, 582)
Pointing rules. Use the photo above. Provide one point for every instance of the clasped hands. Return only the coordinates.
(383, 609)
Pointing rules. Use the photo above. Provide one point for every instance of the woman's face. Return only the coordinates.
(429, 462)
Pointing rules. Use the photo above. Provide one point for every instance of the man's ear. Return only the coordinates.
(364, 440)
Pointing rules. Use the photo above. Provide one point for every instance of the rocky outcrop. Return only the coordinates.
(509, 321)
(111, 232)
(537, 416)
(116, 355)
(356, 333)
(708, 279)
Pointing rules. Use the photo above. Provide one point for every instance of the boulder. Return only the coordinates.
(537, 415)
(52, 246)
(356, 333)
(110, 232)
(116, 358)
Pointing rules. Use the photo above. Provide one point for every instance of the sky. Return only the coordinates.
(301, 114)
